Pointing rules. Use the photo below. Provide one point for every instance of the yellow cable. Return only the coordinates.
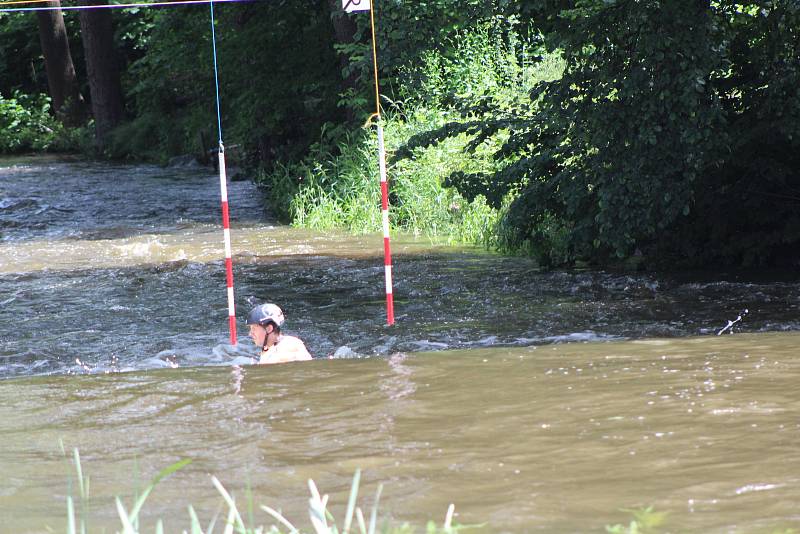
(369, 120)
(375, 62)
(7, 2)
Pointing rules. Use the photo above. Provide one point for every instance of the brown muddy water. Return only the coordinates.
(550, 400)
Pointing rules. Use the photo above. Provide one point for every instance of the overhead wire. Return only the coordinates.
(108, 6)
(216, 71)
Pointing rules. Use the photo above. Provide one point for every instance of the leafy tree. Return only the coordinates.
(746, 208)
(405, 31)
(279, 79)
(660, 106)
(19, 49)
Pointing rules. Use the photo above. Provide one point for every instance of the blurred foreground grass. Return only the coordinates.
(321, 519)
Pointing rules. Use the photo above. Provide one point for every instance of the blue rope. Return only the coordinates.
(216, 72)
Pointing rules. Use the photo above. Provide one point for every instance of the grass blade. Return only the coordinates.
(127, 524)
(160, 527)
(248, 495)
(316, 510)
(279, 517)
(373, 518)
(158, 478)
(233, 511)
(361, 523)
(196, 529)
(70, 516)
(77, 458)
(213, 522)
(448, 519)
(351, 502)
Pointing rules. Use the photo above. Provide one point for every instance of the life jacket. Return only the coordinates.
(285, 349)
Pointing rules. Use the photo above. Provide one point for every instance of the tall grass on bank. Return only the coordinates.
(337, 185)
(342, 191)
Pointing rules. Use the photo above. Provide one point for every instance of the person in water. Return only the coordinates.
(265, 323)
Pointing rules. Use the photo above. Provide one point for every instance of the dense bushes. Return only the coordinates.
(337, 185)
(26, 125)
(673, 133)
(671, 136)
(278, 81)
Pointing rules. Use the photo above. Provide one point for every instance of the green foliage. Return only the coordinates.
(492, 65)
(19, 45)
(26, 125)
(406, 32)
(322, 520)
(338, 184)
(746, 203)
(22, 65)
(673, 125)
(599, 130)
(278, 80)
(343, 190)
(644, 521)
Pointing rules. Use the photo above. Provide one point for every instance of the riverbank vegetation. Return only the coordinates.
(603, 132)
(26, 125)
(335, 185)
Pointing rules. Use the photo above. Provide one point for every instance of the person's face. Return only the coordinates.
(258, 334)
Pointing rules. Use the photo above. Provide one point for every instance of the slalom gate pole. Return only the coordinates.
(226, 232)
(223, 191)
(387, 248)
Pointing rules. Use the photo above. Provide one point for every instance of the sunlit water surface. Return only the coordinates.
(118, 268)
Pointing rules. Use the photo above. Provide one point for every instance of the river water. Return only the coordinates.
(532, 401)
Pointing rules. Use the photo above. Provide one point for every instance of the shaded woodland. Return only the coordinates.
(668, 135)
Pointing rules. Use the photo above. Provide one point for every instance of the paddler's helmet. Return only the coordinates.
(266, 313)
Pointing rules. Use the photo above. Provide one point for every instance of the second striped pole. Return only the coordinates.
(226, 230)
(387, 248)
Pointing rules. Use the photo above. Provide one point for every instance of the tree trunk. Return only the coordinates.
(65, 96)
(344, 30)
(102, 69)
(344, 25)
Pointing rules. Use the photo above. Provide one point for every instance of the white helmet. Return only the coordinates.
(266, 313)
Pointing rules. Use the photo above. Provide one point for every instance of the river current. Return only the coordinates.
(533, 401)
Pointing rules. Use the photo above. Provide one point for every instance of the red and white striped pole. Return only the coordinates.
(226, 230)
(387, 248)
(351, 6)
(223, 192)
